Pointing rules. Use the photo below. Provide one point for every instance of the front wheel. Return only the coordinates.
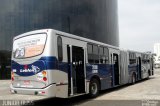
(94, 88)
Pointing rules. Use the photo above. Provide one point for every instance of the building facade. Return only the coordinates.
(93, 19)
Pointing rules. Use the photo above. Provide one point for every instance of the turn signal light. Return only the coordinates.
(44, 73)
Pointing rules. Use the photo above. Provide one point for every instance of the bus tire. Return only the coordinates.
(133, 78)
(94, 88)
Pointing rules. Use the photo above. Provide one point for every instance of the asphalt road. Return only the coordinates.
(143, 93)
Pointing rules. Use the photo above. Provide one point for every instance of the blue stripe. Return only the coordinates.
(44, 63)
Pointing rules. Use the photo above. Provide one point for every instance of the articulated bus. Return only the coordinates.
(52, 63)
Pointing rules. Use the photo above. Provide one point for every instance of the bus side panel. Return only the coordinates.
(104, 73)
(132, 70)
(60, 75)
(61, 81)
(145, 69)
(124, 68)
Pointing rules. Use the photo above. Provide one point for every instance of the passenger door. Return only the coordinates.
(115, 68)
(76, 73)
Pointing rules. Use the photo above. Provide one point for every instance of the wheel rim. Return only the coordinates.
(94, 88)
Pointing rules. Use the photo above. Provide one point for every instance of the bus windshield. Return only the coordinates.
(29, 46)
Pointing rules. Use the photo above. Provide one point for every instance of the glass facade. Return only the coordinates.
(94, 19)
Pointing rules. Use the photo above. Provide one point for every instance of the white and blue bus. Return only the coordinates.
(56, 64)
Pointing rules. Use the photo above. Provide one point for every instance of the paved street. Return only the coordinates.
(146, 89)
(129, 95)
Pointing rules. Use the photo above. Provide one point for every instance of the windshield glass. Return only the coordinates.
(29, 46)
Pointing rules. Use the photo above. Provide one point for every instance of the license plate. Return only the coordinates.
(26, 82)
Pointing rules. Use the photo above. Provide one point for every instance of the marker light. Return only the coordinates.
(12, 76)
(43, 92)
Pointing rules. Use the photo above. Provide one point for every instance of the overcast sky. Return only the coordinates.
(139, 24)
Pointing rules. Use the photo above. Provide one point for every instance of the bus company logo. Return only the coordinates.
(33, 68)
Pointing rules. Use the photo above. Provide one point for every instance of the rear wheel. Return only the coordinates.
(94, 88)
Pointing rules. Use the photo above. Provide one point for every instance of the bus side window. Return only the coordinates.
(101, 55)
(106, 53)
(132, 58)
(95, 54)
(90, 53)
(60, 48)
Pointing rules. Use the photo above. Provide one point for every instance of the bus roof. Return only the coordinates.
(73, 36)
(66, 35)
